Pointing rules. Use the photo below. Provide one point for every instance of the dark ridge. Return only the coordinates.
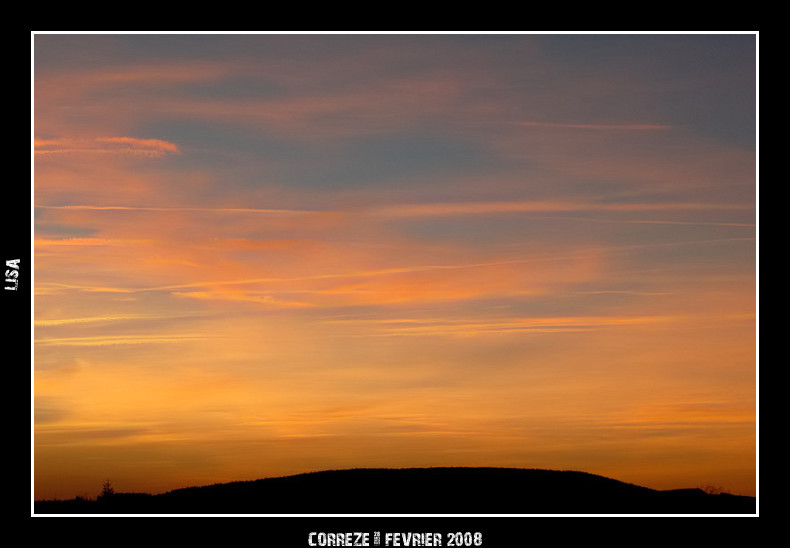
(416, 491)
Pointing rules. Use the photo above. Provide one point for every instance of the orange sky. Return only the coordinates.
(264, 255)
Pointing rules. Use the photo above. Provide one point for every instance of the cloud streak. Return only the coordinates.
(185, 209)
(105, 145)
(488, 208)
(56, 322)
(439, 209)
(467, 328)
(602, 127)
(110, 340)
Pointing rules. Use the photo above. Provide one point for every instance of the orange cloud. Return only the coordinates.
(105, 145)
(94, 319)
(231, 294)
(153, 145)
(86, 242)
(182, 209)
(467, 327)
(105, 340)
(481, 208)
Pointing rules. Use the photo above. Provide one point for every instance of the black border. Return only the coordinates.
(770, 529)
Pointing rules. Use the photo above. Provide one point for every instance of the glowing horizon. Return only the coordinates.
(260, 255)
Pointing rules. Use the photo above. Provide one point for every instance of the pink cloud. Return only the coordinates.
(112, 145)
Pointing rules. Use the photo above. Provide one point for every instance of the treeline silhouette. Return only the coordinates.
(414, 491)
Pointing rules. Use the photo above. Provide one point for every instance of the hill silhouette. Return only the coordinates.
(416, 491)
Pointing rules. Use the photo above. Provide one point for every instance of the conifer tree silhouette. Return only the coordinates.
(106, 490)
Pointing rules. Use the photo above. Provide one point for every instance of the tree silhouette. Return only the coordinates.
(106, 490)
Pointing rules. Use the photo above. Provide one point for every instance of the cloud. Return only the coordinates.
(346, 275)
(465, 328)
(86, 242)
(620, 127)
(97, 319)
(439, 209)
(481, 208)
(155, 145)
(48, 410)
(70, 435)
(656, 222)
(228, 294)
(184, 209)
(105, 145)
(118, 340)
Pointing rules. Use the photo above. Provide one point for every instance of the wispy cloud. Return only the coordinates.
(618, 127)
(483, 208)
(105, 340)
(349, 274)
(85, 242)
(656, 221)
(97, 319)
(231, 294)
(184, 209)
(438, 209)
(105, 145)
(141, 145)
(466, 328)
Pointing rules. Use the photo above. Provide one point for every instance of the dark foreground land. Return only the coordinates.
(415, 491)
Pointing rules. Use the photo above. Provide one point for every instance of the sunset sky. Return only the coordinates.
(259, 255)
